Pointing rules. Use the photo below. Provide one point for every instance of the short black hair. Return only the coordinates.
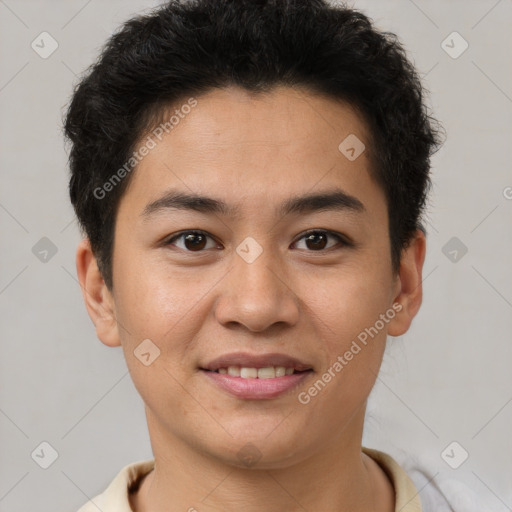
(185, 48)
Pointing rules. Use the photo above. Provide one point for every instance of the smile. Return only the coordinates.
(248, 385)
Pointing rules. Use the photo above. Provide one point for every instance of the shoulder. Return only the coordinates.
(406, 493)
(115, 498)
(435, 490)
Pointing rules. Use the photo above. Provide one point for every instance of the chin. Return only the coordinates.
(263, 445)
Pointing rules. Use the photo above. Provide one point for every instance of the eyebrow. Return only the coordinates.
(330, 200)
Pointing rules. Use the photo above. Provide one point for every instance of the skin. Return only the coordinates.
(310, 303)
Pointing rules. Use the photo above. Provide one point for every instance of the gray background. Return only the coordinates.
(448, 379)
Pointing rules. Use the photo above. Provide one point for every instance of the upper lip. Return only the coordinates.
(247, 360)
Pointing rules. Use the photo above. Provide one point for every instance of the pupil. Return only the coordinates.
(313, 237)
(189, 239)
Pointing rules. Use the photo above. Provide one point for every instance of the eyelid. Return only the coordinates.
(176, 236)
(343, 239)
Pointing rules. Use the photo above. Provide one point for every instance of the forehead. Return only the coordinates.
(251, 149)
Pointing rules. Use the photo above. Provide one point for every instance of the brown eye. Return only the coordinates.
(193, 241)
(197, 241)
(318, 240)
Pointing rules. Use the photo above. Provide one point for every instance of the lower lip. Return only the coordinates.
(256, 389)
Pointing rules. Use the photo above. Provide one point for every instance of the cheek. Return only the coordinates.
(349, 303)
(151, 300)
(168, 308)
(349, 309)
(154, 305)
(353, 342)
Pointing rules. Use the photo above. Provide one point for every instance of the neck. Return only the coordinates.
(339, 477)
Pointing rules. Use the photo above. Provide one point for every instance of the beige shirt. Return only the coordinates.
(115, 497)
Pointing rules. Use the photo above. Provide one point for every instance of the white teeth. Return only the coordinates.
(248, 373)
(234, 371)
(268, 372)
(281, 371)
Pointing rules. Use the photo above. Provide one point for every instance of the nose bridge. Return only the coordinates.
(256, 293)
(256, 270)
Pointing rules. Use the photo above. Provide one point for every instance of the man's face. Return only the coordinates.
(257, 289)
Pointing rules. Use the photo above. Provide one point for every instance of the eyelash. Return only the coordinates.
(341, 239)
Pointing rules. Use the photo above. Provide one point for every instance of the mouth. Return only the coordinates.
(259, 377)
(267, 372)
(245, 364)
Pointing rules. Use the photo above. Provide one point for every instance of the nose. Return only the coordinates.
(257, 295)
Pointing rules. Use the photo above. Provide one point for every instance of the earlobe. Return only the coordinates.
(409, 283)
(98, 299)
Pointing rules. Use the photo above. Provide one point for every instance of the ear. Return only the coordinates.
(98, 299)
(409, 290)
